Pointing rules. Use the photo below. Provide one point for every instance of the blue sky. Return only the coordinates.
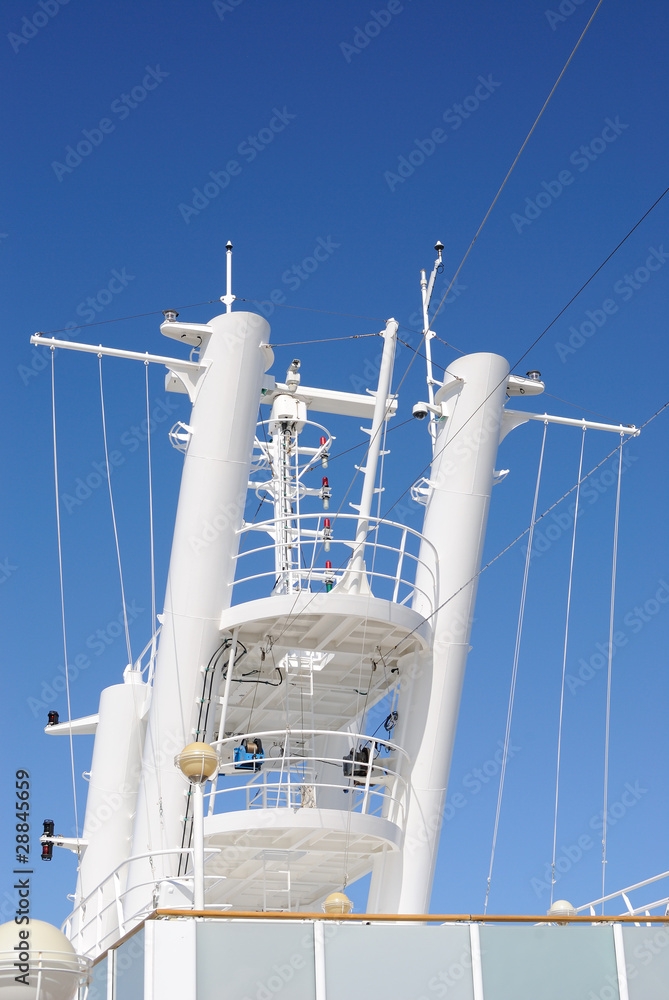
(141, 138)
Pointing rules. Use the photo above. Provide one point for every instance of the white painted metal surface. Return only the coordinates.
(210, 511)
(461, 479)
(112, 795)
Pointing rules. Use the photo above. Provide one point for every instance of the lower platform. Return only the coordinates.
(287, 859)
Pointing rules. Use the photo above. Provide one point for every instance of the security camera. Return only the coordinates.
(420, 411)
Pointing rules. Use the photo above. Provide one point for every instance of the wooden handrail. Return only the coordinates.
(401, 918)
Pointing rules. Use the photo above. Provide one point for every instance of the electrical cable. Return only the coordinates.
(126, 627)
(536, 341)
(122, 319)
(518, 155)
(62, 606)
(151, 532)
(564, 663)
(514, 671)
(614, 567)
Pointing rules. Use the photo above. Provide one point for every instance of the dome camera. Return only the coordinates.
(420, 411)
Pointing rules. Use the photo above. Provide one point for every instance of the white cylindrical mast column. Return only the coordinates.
(202, 565)
(110, 806)
(455, 521)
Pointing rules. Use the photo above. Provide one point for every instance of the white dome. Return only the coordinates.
(46, 949)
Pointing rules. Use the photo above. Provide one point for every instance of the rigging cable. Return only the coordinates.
(514, 672)
(151, 538)
(536, 341)
(121, 319)
(518, 537)
(113, 514)
(518, 155)
(608, 677)
(62, 606)
(564, 663)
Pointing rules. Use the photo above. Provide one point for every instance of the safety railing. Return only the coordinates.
(85, 925)
(284, 769)
(321, 557)
(644, 909)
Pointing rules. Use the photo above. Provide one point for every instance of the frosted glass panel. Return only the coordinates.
(397, 963)
(553, 963)
(129, 969)
(97, 988)
(255, 961)
(647, 962)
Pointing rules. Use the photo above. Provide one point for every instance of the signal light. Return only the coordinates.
(324, 456)
(47, 848)
(327, 534)
(53, 718)
(326, 493)
(329, 578)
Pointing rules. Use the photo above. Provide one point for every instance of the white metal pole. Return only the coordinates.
(228, 683)
(114, 352)
(197, 791)
(381, 413)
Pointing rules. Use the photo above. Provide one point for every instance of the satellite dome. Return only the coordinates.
(45, 949)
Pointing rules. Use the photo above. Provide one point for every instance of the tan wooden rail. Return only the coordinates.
(402, 918)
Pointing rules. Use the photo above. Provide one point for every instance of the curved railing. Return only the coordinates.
(292, 774)
(86, 921)
(391, 554)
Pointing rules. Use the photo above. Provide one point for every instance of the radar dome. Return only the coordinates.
(45, 950)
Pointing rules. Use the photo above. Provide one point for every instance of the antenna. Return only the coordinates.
(426, 293)
(228, 298)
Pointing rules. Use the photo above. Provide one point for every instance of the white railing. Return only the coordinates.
(151, 649)
(623, 895)
(391, 553)
(292, 775)
(85, 925)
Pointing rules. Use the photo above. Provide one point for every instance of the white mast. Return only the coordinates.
(461, 481)
(426, 289)
(202, 566)
(356, 581)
